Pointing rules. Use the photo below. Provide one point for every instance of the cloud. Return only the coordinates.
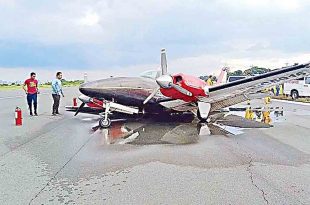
(199, 65)
(263, 5)
(114, 35)
(90, 19)
(286, 5)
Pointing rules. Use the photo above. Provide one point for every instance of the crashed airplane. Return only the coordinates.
(160, 92)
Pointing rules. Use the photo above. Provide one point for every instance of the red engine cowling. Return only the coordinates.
(192, 84)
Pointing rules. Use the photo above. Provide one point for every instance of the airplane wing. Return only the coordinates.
(225, 95)
(249, 88)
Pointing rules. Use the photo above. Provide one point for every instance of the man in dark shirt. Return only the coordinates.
(31, 89)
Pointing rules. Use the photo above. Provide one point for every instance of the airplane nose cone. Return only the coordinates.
(90, 88)
(84, 88)
(100, 88)
(164, 81)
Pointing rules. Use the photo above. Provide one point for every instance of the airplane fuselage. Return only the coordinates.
(130, 91)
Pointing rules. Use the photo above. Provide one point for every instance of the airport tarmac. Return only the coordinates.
(61, 160)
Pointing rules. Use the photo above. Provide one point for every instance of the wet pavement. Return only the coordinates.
(63, 161)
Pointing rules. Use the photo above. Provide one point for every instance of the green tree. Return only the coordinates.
(235, 73)
(254, 70)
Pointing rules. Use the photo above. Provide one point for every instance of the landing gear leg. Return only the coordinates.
(105, 122)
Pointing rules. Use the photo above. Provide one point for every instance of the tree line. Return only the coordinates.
(254, 70)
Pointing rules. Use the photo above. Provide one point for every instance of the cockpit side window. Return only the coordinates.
(178, 79)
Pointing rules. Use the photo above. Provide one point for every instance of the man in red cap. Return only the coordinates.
(32, 92)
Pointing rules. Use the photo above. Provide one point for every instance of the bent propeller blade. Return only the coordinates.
(151, 95)
(78, 110)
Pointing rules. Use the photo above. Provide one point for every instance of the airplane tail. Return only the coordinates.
(223, 76)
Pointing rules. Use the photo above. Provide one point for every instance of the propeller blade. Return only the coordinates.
(78, 110)
(151, 95)
(181, 90)
(163, 62)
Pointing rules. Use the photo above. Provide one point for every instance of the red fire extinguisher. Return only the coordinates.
(74, 102)
(18, 117)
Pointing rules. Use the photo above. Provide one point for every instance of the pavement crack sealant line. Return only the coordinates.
(253, 183)
(61, 168)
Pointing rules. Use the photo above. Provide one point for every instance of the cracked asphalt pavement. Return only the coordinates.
(60, 160)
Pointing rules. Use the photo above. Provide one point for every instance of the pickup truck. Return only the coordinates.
(297, 88)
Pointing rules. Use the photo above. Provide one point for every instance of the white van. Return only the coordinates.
(298, 88)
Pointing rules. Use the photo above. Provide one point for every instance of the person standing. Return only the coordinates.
(31, 89)
(277, 90)
(56, 92)
(209, 81)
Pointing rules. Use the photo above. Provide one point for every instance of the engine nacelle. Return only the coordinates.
(194, 85)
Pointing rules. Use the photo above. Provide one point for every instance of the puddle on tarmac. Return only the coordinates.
(180, 129)
(161, 133)
(148, 132)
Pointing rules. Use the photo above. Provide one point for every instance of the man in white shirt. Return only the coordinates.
(56, 92)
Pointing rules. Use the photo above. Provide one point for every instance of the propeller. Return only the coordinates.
(163, 62)
(78, 110)
(165, 80)
(151, 95)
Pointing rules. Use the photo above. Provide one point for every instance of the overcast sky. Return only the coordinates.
(117, 37)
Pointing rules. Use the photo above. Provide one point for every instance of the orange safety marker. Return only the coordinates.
(18, 117)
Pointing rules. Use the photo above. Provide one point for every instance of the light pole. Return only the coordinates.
(85, 77)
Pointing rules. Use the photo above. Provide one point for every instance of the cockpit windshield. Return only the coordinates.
(152, 74)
